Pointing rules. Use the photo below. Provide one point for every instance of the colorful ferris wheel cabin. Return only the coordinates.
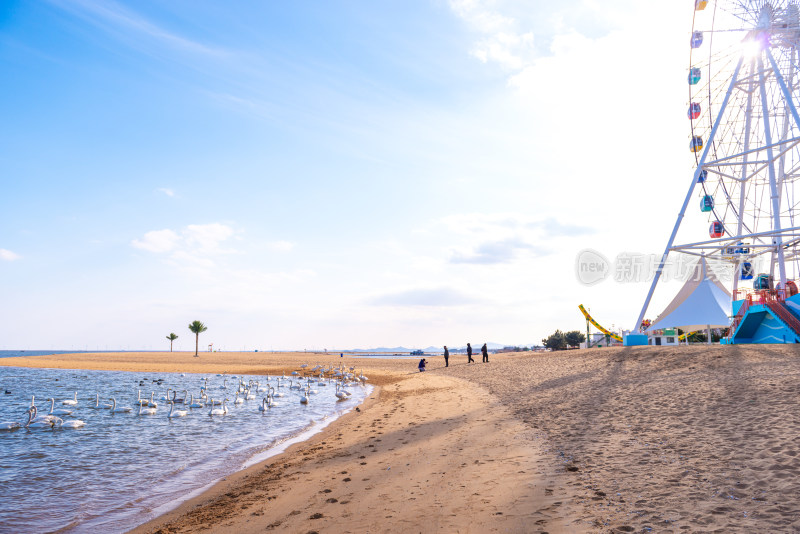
(716, 229)
(697, 143)
(697, 39)
(706, 203)
(746, 271)
(694, 76)
(694, 110)
(701, 178)
(762, 282)
(700, 5)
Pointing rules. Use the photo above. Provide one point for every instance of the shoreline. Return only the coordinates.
(611, 440)
(218, 489)
(416, 437)
(258, 460)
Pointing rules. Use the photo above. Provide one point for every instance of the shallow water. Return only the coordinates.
(111, 475)
(25, 353)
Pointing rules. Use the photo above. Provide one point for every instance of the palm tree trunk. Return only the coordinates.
(170, 345)
(196, 344)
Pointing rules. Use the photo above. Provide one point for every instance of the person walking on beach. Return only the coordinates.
(485, 353)
(421, 365)
(446, 357)
(469, 354)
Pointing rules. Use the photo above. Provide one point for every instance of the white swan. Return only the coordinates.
(224, 384)
(71, 402)
(97, 405)
(219, 411)
(41, 421)
(53, 411)
(264, 405)
(271, 397)
(72, 423)
(40, 418)
(166, 398)
(152, 402)
(305, 398)
(238, 399)
(16, 424)
(193, 404)
(146, 411)
(121, 409)
(175, 413)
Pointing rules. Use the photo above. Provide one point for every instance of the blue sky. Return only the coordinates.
(330, 174)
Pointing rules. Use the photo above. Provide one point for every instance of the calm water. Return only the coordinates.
(15, 353)
(122, 469)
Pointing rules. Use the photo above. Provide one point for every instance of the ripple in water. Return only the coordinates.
(122, 469)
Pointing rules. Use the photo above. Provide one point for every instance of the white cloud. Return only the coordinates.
(281, 246)
(492, 252)
(207, 238)
(157, 241)
(194, 240)
(167, 191)
(502, 43)
(443, 296)
(7, 255)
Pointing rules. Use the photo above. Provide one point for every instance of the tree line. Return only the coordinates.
(564, 340)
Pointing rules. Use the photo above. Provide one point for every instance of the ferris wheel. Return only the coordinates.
(744, 89)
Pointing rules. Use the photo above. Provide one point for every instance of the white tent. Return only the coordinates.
(703, 302)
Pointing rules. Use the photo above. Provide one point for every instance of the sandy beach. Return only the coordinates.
(684, 439)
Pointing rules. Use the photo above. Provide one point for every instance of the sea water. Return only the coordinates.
(122, 469)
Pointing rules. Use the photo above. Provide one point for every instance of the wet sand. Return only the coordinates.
(680, 439)
(425, 453)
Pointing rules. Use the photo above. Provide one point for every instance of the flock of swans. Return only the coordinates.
(303, 383)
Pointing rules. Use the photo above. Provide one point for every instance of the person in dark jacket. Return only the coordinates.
(446, 357)
(469, 354)
(485, 353)
(421, 365)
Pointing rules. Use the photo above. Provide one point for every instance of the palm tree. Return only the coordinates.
(197, 327)
(172, 337)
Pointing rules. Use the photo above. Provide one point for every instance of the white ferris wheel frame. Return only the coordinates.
(774, 241)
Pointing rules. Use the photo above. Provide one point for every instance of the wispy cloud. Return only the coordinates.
(122, 22)
(7, 255)
(167, 191)
(157, 241)
(502, 42)
(493, 252)
(194, 240)
(555, 228)
(281, 246)
(504, 238)
(443, 296)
